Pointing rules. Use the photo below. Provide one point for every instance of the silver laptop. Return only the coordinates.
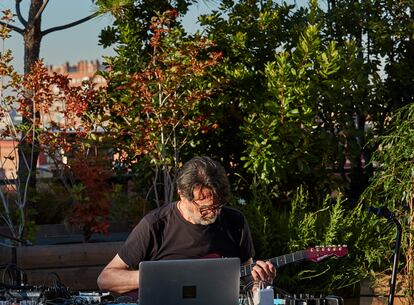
(190, 282)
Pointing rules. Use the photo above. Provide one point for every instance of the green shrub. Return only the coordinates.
(279, 231)
(393, 186)
(127, 206)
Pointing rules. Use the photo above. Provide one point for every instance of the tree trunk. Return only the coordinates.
(32, 36)
(28, 151)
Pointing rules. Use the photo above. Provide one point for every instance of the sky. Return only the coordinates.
(76, 43)
(79, 42)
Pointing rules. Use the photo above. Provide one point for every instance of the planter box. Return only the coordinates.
(60, 251)
(368, 296)
(76, 265)
(62, 234)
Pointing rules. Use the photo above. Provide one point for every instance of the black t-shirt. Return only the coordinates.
(165, 234)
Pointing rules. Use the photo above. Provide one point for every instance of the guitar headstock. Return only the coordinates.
(318, 253)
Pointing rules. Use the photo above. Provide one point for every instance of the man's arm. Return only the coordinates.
(116, 277)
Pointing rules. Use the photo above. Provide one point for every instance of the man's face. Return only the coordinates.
(204, 208)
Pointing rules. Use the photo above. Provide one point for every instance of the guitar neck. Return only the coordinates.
(278, 261)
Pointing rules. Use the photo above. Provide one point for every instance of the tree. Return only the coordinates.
(129, 32)
(32, 32)
(85, 173)
(150, 114)
(296, 138)
(384, 36)
(350, 106)
(51, 96)
(284, 82)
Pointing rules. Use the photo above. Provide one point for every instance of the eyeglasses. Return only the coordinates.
(203, 209)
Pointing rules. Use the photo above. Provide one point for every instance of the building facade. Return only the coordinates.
(84, 70)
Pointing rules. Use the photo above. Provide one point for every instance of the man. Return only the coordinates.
(199, 225)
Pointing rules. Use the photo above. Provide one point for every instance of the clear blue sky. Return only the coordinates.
(80, 42)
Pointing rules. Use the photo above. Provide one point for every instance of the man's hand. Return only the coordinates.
(264, 271)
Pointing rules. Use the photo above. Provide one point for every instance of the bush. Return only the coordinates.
(52, 202)
(126, 205)
(279, 231)
(393, 186)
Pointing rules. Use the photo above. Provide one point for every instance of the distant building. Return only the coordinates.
(83, 71)
(9, 158)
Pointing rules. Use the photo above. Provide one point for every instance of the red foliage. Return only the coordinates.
(44, 95)
(160, 103)
(59, 125)
(91, 208)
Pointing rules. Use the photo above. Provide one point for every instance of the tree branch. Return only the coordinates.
(39, 12)
(19, 13)
(12, 27)
(69, 25)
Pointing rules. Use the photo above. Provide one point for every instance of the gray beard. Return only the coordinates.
(201, 221)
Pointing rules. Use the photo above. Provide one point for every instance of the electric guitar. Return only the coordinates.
(315, 254)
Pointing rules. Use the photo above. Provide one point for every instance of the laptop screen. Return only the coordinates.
(190, 282)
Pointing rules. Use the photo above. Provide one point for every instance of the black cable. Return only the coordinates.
(5, 271)
(17, 276)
